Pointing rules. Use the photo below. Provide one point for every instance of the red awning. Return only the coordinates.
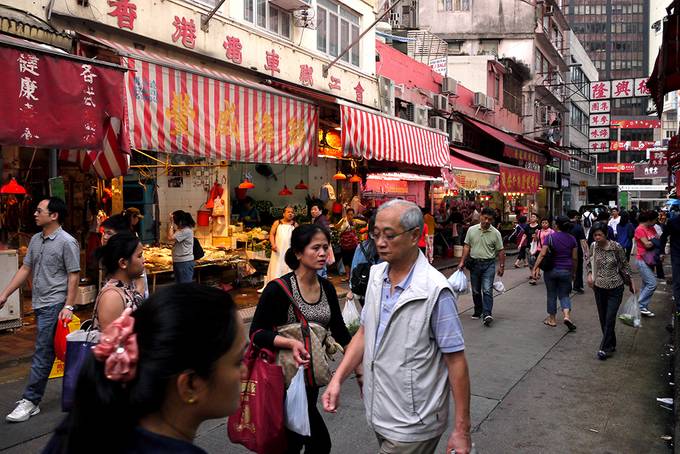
(511, 147)
(512, 178)
(471, 177)
(372, 135)
(177, 107)
(459, 164)
(559, 154)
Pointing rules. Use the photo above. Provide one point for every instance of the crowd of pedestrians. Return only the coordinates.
(162, 366)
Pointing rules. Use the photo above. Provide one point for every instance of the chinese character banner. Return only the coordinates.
(471, 181)
(54, 102)
(515, 179)
(174, 111)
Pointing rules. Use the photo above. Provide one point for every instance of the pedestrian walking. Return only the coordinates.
(181, 235)
(540, 235)
(133, 217)
(365, 256)
(672, 232)
(317, 211)
(483, 245)
(562, 248)
(158, 373)
(123, 260)
(582, 249)
(608, 273)
(624, 233)
(317, 300)
(431, 226)
(410, 339)
(348, 241)
(614, 219)
(519, 237)
(647, 257)
(53, 262)
(279, 239)
(660, 227)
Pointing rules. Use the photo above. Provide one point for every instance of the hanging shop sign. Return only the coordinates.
(615, 167)
(55, 102)
(598, 146)
(599, 120)
(647, 170)
(471, 181)
(636, 124)
(658, 157)
(631, 145)
(516, 179)
(550, 174)
(387, 186)
(619, 88)
(642, 187)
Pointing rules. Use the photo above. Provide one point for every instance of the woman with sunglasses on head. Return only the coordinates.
(317, 300)
(608, 272)
(156, 375)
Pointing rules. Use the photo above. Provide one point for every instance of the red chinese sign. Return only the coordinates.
(636, 124)
(599, 133)
(600, 90)
(658, 158)
(599, 120)
(125, 11)
(600, 107)
(641, 87)
(185, 30)
(334, 84)
(515, 179)
(623, 88)
(53, 102)
(523, 155)
(272, 62)
(615, 167)
(631, 145)
(306, 75)
(359, 90)
(233, 48)
(598, 146)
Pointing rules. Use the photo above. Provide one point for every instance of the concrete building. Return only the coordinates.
(616, 35)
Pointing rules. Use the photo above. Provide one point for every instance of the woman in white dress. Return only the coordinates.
(279, 238)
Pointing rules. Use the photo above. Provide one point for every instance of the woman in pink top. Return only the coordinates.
(540, 238)
(645, 237)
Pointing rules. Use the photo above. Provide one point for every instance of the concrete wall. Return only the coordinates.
(471, 71)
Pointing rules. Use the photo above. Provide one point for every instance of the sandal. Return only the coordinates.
(547, 323)
(570, 325)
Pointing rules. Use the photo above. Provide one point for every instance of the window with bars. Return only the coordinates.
(337, 27)
(268, 16)
(453, 5)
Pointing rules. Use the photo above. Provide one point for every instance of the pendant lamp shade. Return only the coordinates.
(339, 176)
(355, 179)
(301, 185)
(285, 191)
(246, 184)
(12, 188)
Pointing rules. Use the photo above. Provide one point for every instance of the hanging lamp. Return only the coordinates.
(12, 188)
(285, 191)
(246, 184)
(355, 179)
(301, 185)
(339, 176)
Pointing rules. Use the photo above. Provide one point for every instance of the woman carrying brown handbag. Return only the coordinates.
(316, 299)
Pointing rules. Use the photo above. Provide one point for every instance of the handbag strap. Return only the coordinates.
(363, 251)
(304, 327)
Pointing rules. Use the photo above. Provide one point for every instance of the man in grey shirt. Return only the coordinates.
(53, 258)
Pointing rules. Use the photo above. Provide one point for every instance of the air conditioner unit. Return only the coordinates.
(490, 103)
(438, 123)
(456, 132)
(386, 89)
(420, 114)
(549, 10)
(449, 86)
(441, 103)
(480, 100)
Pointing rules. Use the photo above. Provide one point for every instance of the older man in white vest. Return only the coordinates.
(411, 344)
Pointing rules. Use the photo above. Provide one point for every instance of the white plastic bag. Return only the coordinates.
(629, 312)
(459, 282)
(297, 414)
(499, 286)
(350, 314)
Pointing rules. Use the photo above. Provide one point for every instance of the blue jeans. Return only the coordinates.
(481, 278)
(43, 358)
(558, 285)
(184, 272)
(648, 283)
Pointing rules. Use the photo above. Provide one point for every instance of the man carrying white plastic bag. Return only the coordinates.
(297, 416)
(459, 282)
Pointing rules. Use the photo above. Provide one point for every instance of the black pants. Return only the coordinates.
(578, 280)
(320, 440)
(659, 271)
(608, 302)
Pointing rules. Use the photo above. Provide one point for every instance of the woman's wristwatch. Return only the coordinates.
(71, 308)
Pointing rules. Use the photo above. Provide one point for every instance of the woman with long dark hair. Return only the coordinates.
(608, 273)
(316, 298)
(122, 258)
(156, 375)
(180, 233)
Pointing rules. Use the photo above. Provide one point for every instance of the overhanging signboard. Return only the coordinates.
(646, 170)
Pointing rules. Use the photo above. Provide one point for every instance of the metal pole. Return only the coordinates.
(325, 68)
(53, 163)
(618, 156)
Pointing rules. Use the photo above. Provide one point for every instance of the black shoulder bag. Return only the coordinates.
(360, 274)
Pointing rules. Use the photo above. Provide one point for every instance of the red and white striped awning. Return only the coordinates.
(371, 135)
(180, 108)
(107, 163)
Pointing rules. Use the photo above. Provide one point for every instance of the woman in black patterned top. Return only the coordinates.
(317, 300)
(608, 274)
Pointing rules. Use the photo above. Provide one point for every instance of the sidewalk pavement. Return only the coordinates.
(535, 389)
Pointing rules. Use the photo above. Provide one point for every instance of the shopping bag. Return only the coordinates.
(259, 424)
(350, 314)
(297, 413)
(57, 370)
(459, 282)
(629, 312)
(78, 348)
(62, 330)
(499, 286)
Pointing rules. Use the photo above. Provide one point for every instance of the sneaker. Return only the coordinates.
(532, 282)
(24, 410)
(487, 320)
(601, 355)
(646, 312)
(579, 291)
(476, 316)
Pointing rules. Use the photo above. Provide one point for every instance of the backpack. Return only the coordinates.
(587, 219)
(198, 250)
(360, 274)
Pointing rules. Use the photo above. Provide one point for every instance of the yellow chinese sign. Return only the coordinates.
(227, 123)
(180, 112)
(296, 133)
(264, 128)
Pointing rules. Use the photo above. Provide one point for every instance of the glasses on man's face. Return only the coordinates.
(41, 211)
(376, 235)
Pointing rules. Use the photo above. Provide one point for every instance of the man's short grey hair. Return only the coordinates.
(412, 216)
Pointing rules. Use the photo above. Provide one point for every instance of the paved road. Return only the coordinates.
(535, 389)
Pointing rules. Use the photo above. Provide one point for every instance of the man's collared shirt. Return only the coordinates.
(51, 259)
(484, 244)
(444, 322)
